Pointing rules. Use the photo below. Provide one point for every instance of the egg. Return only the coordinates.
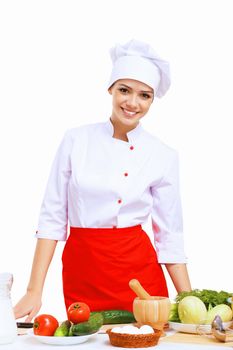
(146, 329)
(116, 330)
(133, 330)
(130, 330)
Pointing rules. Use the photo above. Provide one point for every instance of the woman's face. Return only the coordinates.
(131, 100)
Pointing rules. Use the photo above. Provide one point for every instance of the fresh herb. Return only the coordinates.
(209, 297)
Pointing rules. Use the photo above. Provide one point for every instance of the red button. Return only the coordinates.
(131, 148)
(119, 201)
(126, 174)
(114, 227)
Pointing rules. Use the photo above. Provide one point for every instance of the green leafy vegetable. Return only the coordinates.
(174, 316)
(222, 310)
(208, 296)
(192, 310)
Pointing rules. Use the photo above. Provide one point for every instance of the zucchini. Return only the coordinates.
(116, 316)
(63, 329)
(91, 326)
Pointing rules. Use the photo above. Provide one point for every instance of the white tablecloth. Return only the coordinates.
(98, 342)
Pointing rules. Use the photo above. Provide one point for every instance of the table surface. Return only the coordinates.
(99, 341)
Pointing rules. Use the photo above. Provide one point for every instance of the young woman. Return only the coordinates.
(106, 180)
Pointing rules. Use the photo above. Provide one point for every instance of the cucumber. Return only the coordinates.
(63, 329)
(91, 326)
(116, 316)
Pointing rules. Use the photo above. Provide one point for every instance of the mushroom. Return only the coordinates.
(221, 334)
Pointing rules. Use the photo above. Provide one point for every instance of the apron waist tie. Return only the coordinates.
(132, 229)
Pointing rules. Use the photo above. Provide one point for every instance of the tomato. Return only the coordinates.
(78, 312)
(45, 325)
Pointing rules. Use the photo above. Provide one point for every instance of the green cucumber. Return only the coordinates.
(116, 316)
(91, 326)
(63, 329)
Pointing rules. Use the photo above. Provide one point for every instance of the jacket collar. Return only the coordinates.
(132, 134)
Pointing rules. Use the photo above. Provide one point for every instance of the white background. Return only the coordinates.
(54, 67)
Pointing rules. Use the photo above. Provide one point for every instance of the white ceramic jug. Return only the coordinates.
(8, 327)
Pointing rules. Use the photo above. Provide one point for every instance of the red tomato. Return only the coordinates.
(45, 325)
(78, 312)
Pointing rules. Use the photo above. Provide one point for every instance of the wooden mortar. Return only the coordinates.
(150, 310)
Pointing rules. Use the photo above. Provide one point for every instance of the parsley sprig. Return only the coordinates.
(209, 297)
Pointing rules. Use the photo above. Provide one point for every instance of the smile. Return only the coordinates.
(129, 113)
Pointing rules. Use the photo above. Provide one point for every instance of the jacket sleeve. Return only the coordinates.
(53, 218)
(167, 223)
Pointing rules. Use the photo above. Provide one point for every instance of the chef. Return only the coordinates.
(106, 180)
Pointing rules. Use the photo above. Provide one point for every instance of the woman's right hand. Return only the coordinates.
(29, 305)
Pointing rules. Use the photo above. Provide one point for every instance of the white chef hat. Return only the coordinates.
(137, 60)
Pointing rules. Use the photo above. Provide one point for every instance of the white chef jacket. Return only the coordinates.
(98, 181)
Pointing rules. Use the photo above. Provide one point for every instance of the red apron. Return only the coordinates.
(98, 264)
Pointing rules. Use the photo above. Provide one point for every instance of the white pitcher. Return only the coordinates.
(8, 327)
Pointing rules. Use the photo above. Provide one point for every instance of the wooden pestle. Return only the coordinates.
(139, 290)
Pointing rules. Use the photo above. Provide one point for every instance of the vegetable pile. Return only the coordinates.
(80, 321)
(201, 306)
